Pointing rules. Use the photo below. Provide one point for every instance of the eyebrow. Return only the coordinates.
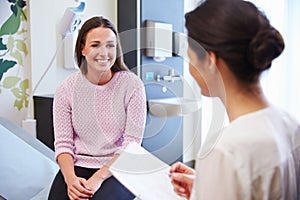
(110, 41)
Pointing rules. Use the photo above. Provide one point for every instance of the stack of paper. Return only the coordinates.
(143, 174)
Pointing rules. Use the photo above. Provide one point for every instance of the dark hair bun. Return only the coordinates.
(264, 47)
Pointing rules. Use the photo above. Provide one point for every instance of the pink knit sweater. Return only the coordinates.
(93, 122)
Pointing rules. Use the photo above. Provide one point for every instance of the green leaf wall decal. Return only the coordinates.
(16, 93)
(5, 65)
(22, 46)
(24, 85)
(17, 55)
(10, 81)
(20, 94)
(10, 43)
(18, 104)
(17, 49)
(2, 46)
(12, 24)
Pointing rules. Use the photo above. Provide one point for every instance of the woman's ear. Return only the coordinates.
(82, 50)
(213, 56)
(213, 61)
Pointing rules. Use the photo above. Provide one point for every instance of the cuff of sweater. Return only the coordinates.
(58, 152)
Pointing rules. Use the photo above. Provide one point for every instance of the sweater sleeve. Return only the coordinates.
(62, 120)
(136, 117)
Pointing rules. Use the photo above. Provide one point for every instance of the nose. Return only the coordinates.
(102, 50)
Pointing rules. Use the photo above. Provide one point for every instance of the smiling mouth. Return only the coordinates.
(102, 60)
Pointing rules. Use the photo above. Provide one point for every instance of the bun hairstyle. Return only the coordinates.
(238, 33)
(264, 47)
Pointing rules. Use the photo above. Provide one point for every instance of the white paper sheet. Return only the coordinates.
(143, 174)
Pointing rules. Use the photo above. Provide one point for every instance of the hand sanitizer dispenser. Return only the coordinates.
(158, 40)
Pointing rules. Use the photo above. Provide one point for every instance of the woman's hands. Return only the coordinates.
(78, 188)
(95, 182)
(182, 178)
(82, 189)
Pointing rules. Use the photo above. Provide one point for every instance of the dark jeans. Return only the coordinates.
(110, 189)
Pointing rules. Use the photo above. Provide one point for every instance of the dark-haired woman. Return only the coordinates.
(257, 156)
(97, 111)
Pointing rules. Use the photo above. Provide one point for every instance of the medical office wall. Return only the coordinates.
(29, 38)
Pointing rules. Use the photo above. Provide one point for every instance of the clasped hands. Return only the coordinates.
(81, 189)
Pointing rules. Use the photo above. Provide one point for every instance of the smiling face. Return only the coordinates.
(100, 50)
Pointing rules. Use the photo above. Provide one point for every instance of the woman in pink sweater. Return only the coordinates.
(97, 112)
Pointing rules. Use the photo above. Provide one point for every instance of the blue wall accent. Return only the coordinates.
(163, 136)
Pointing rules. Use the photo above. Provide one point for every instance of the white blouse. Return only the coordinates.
(256, 157)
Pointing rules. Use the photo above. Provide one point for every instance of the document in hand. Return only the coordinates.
(146, 176)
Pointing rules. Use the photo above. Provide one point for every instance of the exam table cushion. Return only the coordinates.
(27, 166)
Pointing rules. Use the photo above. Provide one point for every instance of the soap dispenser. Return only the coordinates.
(158, 40)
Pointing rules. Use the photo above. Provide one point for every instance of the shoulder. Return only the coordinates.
(262, 133)
(261, 123)
(67, 85)
(128, 75)
(284, 117)
(129, 85)
(130, 79)
(70, 79)
(236, 141)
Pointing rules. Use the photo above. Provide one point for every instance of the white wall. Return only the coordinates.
(191, 122)
(44, 19)
(281, 82)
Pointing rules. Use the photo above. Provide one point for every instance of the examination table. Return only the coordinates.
(27, 166)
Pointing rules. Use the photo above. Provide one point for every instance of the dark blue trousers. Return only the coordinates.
(111, 189)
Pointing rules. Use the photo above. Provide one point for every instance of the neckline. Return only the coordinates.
(108, 84)
(249, 115)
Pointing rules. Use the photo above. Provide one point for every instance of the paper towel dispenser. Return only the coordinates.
(158, 40)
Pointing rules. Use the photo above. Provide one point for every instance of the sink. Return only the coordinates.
(175, 106)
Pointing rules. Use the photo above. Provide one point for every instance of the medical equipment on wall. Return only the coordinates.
(72, 19)
(69, 30)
